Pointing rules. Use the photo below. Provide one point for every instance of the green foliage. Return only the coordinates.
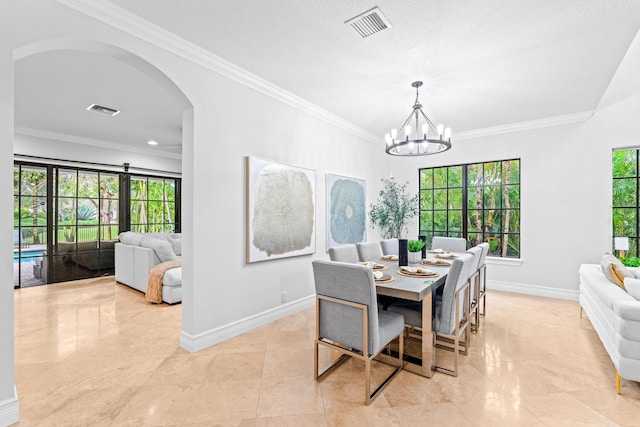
(631, 261)
(86, 212)
(393, 209)
(415, 245)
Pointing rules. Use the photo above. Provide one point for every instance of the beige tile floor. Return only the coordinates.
(94, 353)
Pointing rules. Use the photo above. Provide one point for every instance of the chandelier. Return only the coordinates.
(422, 140)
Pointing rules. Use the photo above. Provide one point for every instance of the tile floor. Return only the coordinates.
(94, 353)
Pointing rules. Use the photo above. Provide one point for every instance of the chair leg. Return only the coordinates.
(617, 382)
(367, 381)
(315, 359)
(581, 312)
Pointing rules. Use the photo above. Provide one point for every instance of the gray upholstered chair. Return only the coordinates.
(482, 289)
(474, 285)
(389, 246)
(451, 315)
(346, 253)
(369, 251)
(348, 321)
(452, 244)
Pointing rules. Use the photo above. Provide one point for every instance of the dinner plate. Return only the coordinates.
(416, 274)
(373, 265)
(386, 278)
(438, 263)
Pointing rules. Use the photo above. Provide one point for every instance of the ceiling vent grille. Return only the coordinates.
(101, 109)
(370, 22)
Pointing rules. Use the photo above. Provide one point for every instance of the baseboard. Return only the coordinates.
(9, 411)
(540, 291)
(193, 343)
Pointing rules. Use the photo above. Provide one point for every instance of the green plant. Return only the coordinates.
(393, 208)
(415, 245)
(631, 261)
(86, 212)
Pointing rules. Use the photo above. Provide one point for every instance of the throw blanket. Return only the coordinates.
(154, 282)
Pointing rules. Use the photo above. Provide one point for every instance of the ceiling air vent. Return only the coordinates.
(101, 109)
(370, 22)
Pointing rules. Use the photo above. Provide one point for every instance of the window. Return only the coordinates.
(153, 204)
(625, 197)
(67, 219)
(478, 201)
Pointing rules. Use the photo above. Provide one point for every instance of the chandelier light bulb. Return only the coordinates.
(440, 130)
(407, 130)
(425, 128)
(447, 133)
(387, 138)
(394, 133)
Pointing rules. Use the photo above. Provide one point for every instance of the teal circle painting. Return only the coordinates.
(347, 212)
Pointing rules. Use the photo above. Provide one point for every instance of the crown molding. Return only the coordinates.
(74, 139)
(130, 23)
(528, 125)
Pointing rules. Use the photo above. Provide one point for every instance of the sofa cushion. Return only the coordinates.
(172, 277)
(161, 247)
(614, 270)
(633, 287)
(176, 244)
(130, 238)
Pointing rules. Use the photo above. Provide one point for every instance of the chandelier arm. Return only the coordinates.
(428, 121)
(406, 122)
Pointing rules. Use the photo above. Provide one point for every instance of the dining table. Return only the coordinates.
(421, 289)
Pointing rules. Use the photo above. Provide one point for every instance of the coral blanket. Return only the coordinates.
(154, 282)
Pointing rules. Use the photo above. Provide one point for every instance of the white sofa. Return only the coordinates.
(615, 315)
(137, 253)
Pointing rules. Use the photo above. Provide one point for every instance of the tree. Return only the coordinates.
(393, 209)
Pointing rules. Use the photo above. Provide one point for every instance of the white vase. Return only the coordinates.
(415, 257)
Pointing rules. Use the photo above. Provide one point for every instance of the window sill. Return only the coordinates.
(514, 262)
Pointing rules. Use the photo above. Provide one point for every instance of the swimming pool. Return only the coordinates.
(27, 256)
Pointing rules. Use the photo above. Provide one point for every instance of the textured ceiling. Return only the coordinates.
(484, 63)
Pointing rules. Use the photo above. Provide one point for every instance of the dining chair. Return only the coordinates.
(346, 253)
(452, 244)
(451, 315)
(348, 320)
(474, 286)
(389, 246)
(482, 267)
(369, 251)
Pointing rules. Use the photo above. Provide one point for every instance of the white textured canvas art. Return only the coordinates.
(346, 210)
(280, 210)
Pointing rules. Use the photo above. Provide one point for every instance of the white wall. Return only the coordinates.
(8, 401)
(56, 149)
(222, 295)
(565, 186)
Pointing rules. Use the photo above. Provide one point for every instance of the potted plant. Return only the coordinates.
(415, 250)
(393, 209)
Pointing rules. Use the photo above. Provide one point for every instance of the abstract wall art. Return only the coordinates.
(280, 210)
(346, 214)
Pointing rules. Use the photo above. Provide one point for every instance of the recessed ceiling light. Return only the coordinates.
(152, 142)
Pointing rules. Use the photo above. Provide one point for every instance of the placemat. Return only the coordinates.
(418, 275)
(386, 278)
